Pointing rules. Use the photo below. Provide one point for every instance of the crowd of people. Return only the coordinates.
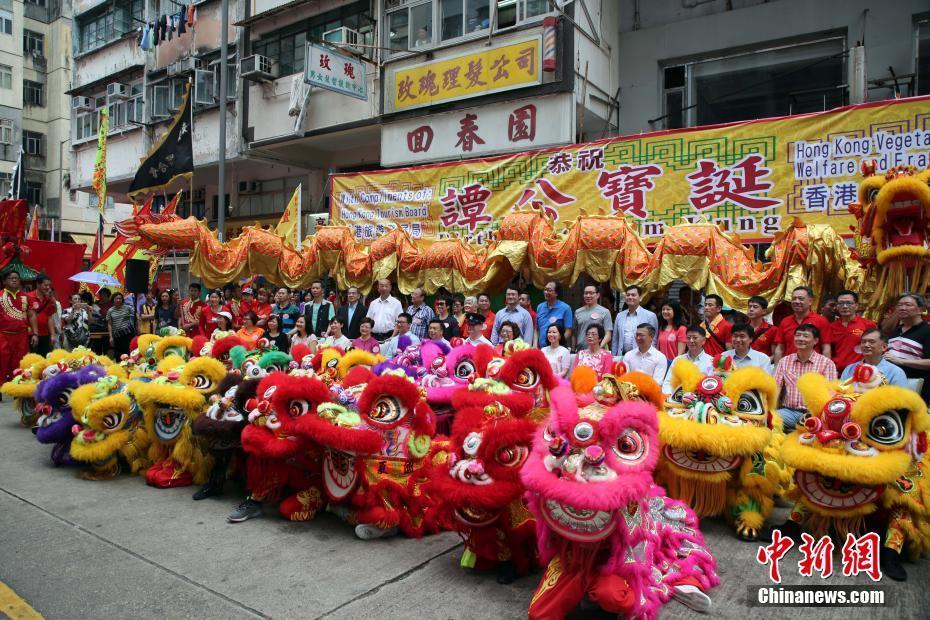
(647, 339)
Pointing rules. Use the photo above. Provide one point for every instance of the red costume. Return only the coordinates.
(14, 331)
(45, 308)
(190, 316)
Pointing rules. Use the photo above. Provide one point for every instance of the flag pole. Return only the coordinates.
(221, 180)
(300, 197)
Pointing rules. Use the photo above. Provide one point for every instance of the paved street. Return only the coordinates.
(119, 549)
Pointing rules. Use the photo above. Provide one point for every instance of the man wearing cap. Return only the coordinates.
(384, 311)
(475, 324)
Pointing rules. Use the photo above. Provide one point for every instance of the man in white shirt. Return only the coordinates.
(628, 320)
(646, 358)
(694, 343)
(384, 311)
(475, 323)
(514, 313)
(403, 322)
(742, 352)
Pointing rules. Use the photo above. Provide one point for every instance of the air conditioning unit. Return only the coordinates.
(344, 37)
(258, 68)
(185, 65)
(250, 187)
(118, 91)
(82, 104)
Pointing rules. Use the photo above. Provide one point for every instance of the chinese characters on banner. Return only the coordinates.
(749, 178)
(514, 125)
(331, 70)
(477, 73)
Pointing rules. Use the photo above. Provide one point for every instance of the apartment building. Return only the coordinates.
(701, 62)
(35, 74)
(282, 132)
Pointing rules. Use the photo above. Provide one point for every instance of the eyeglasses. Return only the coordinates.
(845, 303)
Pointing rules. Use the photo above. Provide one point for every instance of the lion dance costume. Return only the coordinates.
(859, 463)
(605, 529)
(476, 478)
(720, 437)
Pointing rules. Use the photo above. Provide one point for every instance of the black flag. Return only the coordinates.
(172, 157)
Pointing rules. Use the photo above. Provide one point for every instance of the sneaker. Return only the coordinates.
(207, 491)
(367, 531)
(691, 596)
(249, 509)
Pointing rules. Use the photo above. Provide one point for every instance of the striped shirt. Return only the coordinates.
(790, 368)
(121, 319)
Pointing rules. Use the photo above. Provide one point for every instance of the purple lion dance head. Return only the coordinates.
(55, 417)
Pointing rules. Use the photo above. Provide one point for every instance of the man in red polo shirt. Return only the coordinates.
(765, 332)
(717, 327)
(802, 298)
(847, 330)
(42, 308)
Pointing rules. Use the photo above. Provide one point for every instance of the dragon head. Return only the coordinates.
(893, 215)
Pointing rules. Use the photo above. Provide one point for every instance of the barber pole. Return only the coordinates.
(548, 63)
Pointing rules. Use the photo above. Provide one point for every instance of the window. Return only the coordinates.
(109, 24)
(779, 80)
(422, 24)
(33, 43)
(6, 131)
(134, 106)
(85, 125)
(6, 22)
(6, 181)
(513, 12)
(232, 83)
(160, 101)
(34, 192)
(34, 143)
(922, 68)
(6, 77)
(36, 2)
(286, 46)
(33, 93)
(93, 201)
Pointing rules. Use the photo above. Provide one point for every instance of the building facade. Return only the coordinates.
(702, 62)
(404, 82)
(35, 75)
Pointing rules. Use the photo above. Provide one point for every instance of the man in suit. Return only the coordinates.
(352, 313)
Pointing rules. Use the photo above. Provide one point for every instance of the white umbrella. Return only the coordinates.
(95, 277)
